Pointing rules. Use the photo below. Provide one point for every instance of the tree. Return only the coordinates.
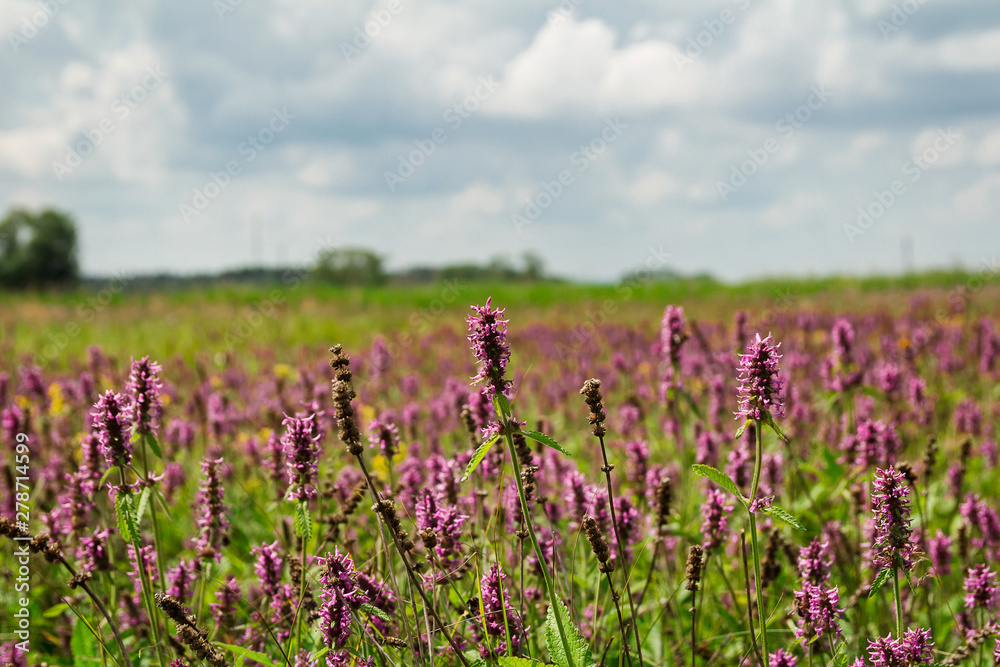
(38, 250)
(350, 266)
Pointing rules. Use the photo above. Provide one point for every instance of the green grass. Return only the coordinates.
(57, 327)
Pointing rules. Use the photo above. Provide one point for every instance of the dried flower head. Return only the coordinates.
(591, 392)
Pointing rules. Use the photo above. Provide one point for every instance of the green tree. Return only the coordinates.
(38, 250)
(350, 266)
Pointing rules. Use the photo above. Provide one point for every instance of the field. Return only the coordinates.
(221, 502)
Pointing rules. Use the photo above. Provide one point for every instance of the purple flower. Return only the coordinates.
(301, 449)
(968, 417)
(672, 334)
(339, 595)
(760, 384)
(892, 544)
(181, 579)
(761, 503)
(143, 387)
(817, 608)
(939, 549)
(384, 436)
(981, 590)
(226, 600)
(496, 606)
(112, 423)
(916, 646)
(488, 335)
(211, 512)
(714, 512)
(782, 658)
(268, 564)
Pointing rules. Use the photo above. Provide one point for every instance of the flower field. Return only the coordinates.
(811, 485)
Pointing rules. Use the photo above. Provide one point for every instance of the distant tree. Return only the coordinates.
(38, 250)
(534, 266)
(350, 266)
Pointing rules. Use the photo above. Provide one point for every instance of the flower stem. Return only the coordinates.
(899, 603)
(755, 549)
(549, 589)
(621, 550)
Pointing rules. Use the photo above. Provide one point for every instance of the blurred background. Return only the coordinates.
(580, 139)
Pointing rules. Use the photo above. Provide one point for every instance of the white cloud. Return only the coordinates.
(574, 68)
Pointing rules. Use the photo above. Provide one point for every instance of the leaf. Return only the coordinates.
(502, 407)
(579, 650)
(244, 653)
(720, 478)
(508, 661)
(545, 440)
(143, 503)
(56, 610)
(776, 512)
(154, 446)
(478, 457)
(774, 427)
(125, 514)
(690, 400)
(105, 476)
(375, 611)
(84, 646)
(303, 522)
(739, 431)
(880, 580)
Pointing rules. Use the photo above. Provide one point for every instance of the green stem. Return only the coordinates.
(899, 603)
(754, 547)
(553, 600)
(152, 514)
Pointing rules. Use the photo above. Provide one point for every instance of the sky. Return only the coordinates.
(735, 137)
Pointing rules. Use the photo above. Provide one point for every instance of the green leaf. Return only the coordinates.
(303, 522)
(739, 431)
(125, 514)
(143, 503)
(56, 610)
(84, 646)
(880, 580)
(579, 650)
(240, 652)
(545, 440)
(690, 401)
(372, 610)
(104, 477)
(774, 427)
(508, 661)
(154, 446)
(502, 406)
(776, 512)
(478, 457)
(720, 478)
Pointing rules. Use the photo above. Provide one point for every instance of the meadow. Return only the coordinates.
(783, 472)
